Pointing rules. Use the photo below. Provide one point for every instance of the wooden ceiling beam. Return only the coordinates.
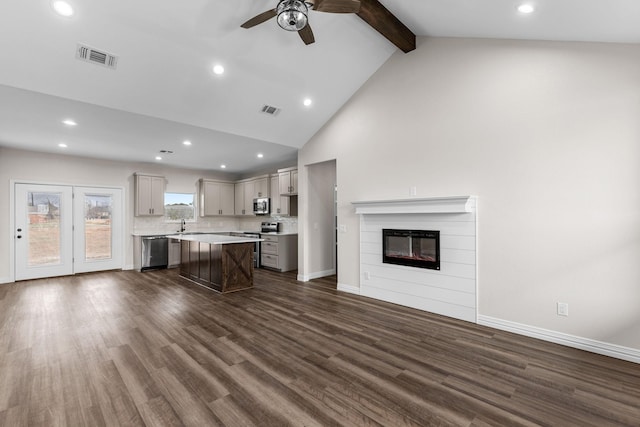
(386, 23)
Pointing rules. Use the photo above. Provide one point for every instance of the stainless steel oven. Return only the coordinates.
(261, 206)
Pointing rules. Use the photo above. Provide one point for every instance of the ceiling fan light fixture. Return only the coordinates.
(292, 14)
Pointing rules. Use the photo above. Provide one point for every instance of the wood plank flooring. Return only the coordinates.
(128, 348)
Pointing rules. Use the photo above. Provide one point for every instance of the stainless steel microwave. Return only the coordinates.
(261, 206)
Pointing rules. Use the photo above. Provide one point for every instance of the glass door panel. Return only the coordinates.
(97, 226)
(44, 228)
(98, 229)
(43, 220)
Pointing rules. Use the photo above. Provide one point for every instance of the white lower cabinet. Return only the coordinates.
(279, 252)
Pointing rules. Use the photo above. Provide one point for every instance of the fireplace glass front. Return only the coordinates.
(414, 248)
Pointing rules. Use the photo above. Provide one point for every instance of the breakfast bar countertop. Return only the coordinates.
(214, 239)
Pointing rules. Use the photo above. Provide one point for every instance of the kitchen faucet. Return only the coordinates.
(183, 226)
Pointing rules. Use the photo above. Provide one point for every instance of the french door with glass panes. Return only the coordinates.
(57, 234)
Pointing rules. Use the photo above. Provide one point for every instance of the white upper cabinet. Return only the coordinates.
(279, 204)
(261, 187)
(216, 198)
(244, 198)
(288, 182)
(149, 195)
(247, 190)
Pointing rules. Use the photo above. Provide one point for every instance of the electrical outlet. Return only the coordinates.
(563, 309)
(366, 275)
(413, 190)
(343, 228)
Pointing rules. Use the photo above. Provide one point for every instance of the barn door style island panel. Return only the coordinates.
(221, 263)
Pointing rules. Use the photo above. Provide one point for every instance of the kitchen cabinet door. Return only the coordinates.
(249, 195)
(289, 182)
(279, 204)
(227, 198)
(216, 198)
(261, 187)
(244, 198)
(149, 195)
(294, 181)
(239, 198)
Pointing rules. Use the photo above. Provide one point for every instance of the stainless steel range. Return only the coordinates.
(270, 227)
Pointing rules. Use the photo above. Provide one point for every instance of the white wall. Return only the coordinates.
(320, 220)
(546, 134)
(60, 169)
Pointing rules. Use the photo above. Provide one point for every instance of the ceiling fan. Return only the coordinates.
(292, 15)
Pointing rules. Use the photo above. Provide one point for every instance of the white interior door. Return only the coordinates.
(97, 229)
(43, 231)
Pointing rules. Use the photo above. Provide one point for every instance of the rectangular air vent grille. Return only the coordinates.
(95, 56)
(271, 110)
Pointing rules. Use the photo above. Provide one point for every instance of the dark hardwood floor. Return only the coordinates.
(125, 348)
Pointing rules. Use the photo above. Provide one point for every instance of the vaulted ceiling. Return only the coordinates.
(163, 90)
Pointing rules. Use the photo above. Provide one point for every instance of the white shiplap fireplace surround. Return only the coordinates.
(450, 291)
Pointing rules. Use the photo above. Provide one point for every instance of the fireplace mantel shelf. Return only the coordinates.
(453, 204)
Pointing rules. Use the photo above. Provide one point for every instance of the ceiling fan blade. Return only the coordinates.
(259, 19)
(337, 6)
(307, 35)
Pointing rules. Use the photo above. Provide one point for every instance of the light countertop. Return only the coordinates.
(213, 239)
(200, 233)
(147, 233)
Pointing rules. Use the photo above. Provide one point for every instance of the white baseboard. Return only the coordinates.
(587, 344)
(316, 275)
(128, 267)
(4, 280)
(349, 289)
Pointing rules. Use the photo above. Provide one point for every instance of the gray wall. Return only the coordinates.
(59, 169)
(546, 134)
(321, 219)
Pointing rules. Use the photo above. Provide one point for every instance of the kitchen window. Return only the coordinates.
(179, 206)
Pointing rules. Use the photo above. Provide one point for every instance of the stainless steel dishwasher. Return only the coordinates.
(155, 252)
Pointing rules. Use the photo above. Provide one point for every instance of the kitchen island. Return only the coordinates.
(222, 263)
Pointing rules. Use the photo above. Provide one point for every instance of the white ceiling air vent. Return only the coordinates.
(95, 56)
(271, 110)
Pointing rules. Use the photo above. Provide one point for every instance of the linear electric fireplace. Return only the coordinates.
(414, 248)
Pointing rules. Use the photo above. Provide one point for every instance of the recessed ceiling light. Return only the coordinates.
(218, 69)
(62, 8)
(223, 166)
(186, 142)
(260, 155)
(62, 145)
(307, 102)
(69, 122)
(158, 158)
(526, 8)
